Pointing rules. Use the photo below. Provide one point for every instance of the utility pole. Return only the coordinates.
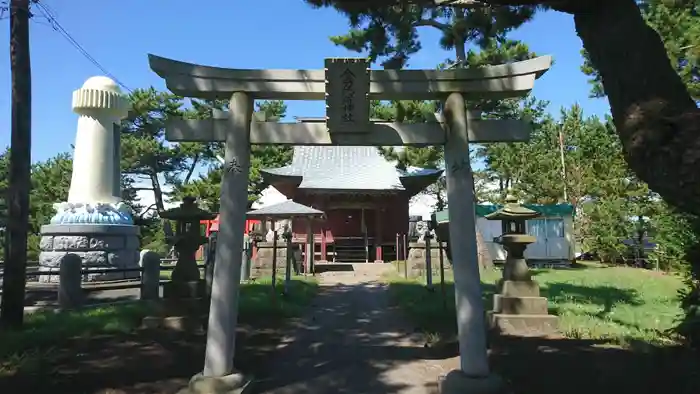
(14, 276)
(563, 164)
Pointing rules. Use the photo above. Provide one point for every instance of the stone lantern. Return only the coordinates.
(514, 238)
(518, 308)
(186, 280)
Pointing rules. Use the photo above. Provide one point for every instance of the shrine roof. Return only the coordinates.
(345, 168)
(285, 209)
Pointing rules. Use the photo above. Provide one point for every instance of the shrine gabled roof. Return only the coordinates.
(285, 209)
(344, 168)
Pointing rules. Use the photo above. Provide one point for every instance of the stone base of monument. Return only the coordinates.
(235, 383)
(456, 382)
(100, 246)
(416, 258)
(519, 310)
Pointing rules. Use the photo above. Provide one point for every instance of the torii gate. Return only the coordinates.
(347, 86)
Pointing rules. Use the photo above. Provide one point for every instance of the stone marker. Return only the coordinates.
(94, 223)
(150, 275)
(70, 291)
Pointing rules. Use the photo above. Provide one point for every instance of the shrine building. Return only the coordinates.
(364, 196)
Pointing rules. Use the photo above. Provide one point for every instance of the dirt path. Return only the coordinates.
(351, 341)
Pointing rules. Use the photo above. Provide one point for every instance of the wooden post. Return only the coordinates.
(290, 260)
(397, 248)
(442, 276)
(378, 238)
(246, 258)
(310, 246)
(274, 260)
(428, 262)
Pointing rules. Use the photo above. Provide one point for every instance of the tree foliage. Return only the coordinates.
(206, 185)
(679, 28)
(677, 233)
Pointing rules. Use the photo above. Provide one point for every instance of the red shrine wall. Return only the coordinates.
(386, 215)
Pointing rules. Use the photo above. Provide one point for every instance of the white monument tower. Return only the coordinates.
(94, 223)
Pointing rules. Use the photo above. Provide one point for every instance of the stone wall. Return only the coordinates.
(262, 263)
(416, 257)
(101, 246)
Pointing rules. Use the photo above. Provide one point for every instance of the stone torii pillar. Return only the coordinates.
(223, 312)
(471, 327)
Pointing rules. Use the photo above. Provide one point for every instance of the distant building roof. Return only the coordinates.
(345, 168)
(284, 210)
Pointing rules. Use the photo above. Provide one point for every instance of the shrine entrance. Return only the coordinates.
(347, 86)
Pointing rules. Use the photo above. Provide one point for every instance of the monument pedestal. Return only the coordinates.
(100, 246)
(519, 310)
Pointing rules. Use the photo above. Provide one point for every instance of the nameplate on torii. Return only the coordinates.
(347, 95)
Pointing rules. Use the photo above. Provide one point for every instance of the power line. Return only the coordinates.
(49, 15)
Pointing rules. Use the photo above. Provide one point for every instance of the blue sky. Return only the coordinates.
(226, 33)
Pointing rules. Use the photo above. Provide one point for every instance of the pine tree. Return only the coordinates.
(653, 111)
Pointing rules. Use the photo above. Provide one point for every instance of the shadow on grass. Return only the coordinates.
(545, 365)
(102, 348)
(550, 365)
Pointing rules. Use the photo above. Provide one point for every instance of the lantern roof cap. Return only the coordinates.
(512, 210)
(187, 211)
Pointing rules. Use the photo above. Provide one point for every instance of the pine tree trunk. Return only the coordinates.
(655, 116)
(14, 279)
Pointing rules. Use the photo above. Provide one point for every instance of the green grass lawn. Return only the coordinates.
(616, 304)
(46, 329)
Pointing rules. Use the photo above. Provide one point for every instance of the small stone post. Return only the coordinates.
(70, 291)
(150, 275)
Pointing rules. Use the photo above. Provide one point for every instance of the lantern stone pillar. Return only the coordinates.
(94, 223)
(518, 308)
